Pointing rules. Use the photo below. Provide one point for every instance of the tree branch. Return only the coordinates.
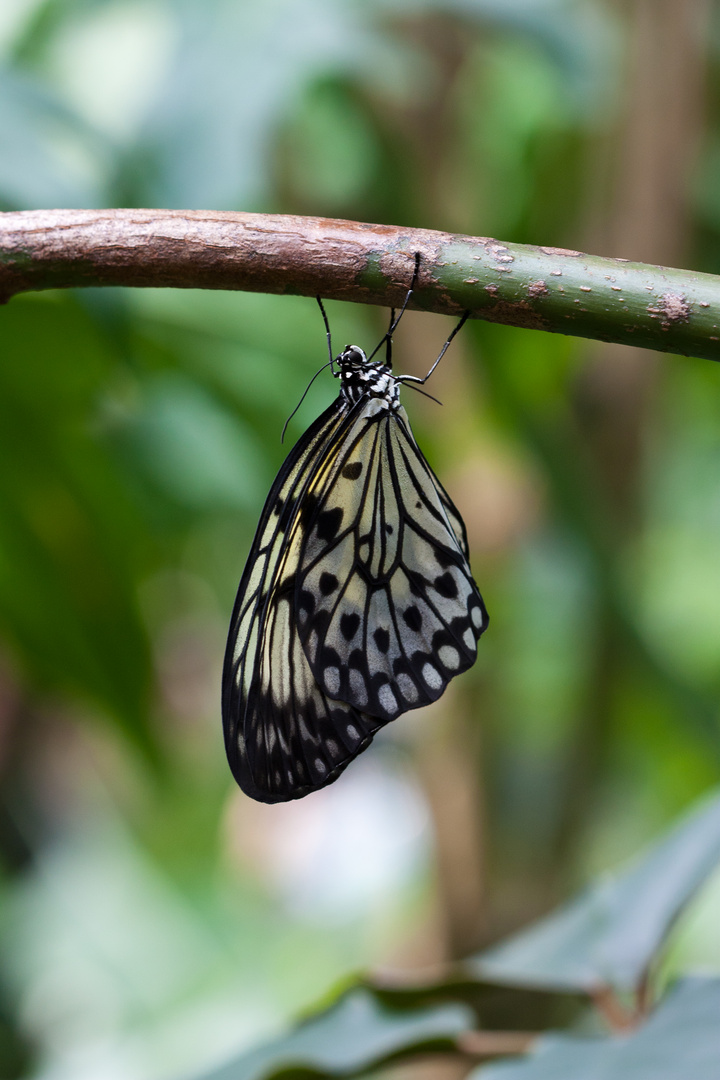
(544, 288)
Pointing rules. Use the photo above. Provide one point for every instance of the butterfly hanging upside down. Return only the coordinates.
(357, 602)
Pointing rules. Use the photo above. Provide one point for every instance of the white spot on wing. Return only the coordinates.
(331, 678)
(357, 688)
(449, 657)
(407, 687)
(387, 699)
(432, 676)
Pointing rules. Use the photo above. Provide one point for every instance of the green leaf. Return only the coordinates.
(357, 1033)
(681, 1041)
(610, 934)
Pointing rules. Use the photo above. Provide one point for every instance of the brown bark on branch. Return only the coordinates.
(543, 288)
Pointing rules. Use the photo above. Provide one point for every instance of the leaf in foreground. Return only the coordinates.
(610, 934)
(355, 1034)
(681, 1041)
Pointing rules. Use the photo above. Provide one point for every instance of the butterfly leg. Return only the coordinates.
(414, 378)
(411, 290)
(385, 339)
(388, 336)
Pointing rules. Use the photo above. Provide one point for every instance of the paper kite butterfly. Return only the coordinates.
(357, 602)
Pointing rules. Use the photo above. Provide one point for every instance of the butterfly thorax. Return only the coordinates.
(360, 378)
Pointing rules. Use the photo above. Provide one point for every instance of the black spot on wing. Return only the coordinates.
(321, 621)
(446, 585)
(382, 639)
(352, 470)
(356, 660)
(328, 583)
(413, 618)
(328, 524)
(349, 623)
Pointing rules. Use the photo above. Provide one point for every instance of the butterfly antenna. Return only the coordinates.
(410, 379)
(395, 321)
(329, 362)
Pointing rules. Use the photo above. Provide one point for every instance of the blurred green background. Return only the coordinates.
(152, 919)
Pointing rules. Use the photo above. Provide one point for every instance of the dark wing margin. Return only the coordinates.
(388, 611)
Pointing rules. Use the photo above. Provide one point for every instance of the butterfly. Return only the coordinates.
(357, 602)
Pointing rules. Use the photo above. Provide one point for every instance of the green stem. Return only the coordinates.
(544, 288)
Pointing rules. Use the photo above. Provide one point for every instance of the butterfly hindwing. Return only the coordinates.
(388, 609)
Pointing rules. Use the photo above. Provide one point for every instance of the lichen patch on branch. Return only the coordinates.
(675, 307)
(500, 253)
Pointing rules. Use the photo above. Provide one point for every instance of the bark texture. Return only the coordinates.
(543, 288)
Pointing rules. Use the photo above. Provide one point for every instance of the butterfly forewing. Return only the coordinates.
(283, 738)
(388, 611)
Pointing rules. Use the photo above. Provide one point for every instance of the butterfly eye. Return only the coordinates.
(354, 355)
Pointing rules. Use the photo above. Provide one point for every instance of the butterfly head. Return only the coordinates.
(360, 377)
